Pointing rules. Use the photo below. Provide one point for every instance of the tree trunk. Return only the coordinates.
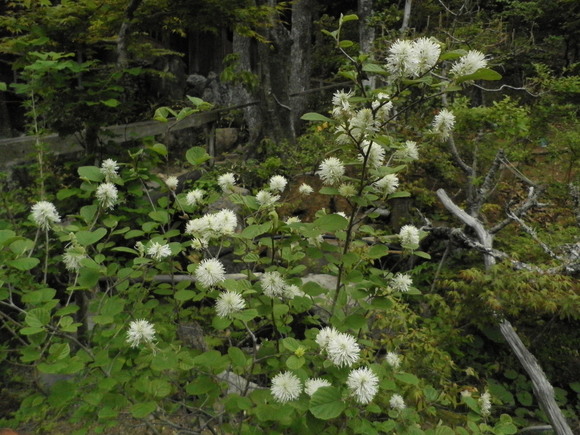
(406, 16)
(300, 53)
(366, 32)
(274, 92)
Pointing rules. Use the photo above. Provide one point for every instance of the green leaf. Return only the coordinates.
(295, 362)
(88, 278)
(327, 403)
(197, 155)
(159, 216)
(24, 263)
(345, 43)
(373, 68)
(346, 18)
(480, 74)
(312, 116)
(237, 357)
(142, 410)
(454, 54)
(6, 236)
(39, 296)
(407, 378)
(525, 398)
(111, 102)
(253, 231)
(422, 255)
(86, 238)
(90, 173)
(184, 295)
(3, 86)
(37, 317)
(378, 251)
(88, 213)
(159, 148)
(331, 223)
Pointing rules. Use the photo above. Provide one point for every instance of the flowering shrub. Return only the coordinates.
(277, 349)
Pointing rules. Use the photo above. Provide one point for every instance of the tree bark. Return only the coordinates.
(366, 32)
(300, 53)
(122, 55)
(406, 16)
(543, 390)
(274, 91)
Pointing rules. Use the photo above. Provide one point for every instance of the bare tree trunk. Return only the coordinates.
(122, 55)
(406, 16)
(300, 53)
(274, 91)
(543, 390)
(366, 32)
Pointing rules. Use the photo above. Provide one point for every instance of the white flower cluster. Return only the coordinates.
(158, 252)
(109, 168)
(331, 171)
(412, 58)
(388, 184)
(140, 331)
(274, 286)
(171, 183)
(107, 195)
(227, 182)
(468, 64)
(194, 197)
(72, 257)
(210, 272)
(341, 348)
(305, 189)
(374, 154)
(408, 152)
(443, 123)
(397, 402)
(228, 303)
(393, 359)
(44, 214)
(485, 404)
(266, 199)
(212, 225)
(401, 283)
(409, 236)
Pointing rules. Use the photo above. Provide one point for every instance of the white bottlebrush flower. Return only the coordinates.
(305, 189)
(273, 284)
(44, 214)
(172, 182)
(374, 153)
(401, 283)
(286, 387)
(443, 123)
(278, 182)
(347, 190)
(227, 182)
(397, 402)
(408, 152)
(485, 404)
(198, 244)
(107, 195)
(158, 252)
(193, 197)
(140, 331)
(427, 53)
(314, 384)
(468, 64)
(388, 184)
(331, 171)
(402, 59)
(228, 303)
(210, 272)
(409, 236)
(226, 221)
(363, 123)
(266, 199)
(341, 105)
(72, 257)
(109, 168)
(343, 350)
(393, 359)
(292, 291)
(293, 220)
(325, 336)
(363, 384)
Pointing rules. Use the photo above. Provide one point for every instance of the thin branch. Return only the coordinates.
(486, 186)
(506, 86)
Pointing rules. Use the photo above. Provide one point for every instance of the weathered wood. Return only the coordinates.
(543, 390)
(19, 148)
